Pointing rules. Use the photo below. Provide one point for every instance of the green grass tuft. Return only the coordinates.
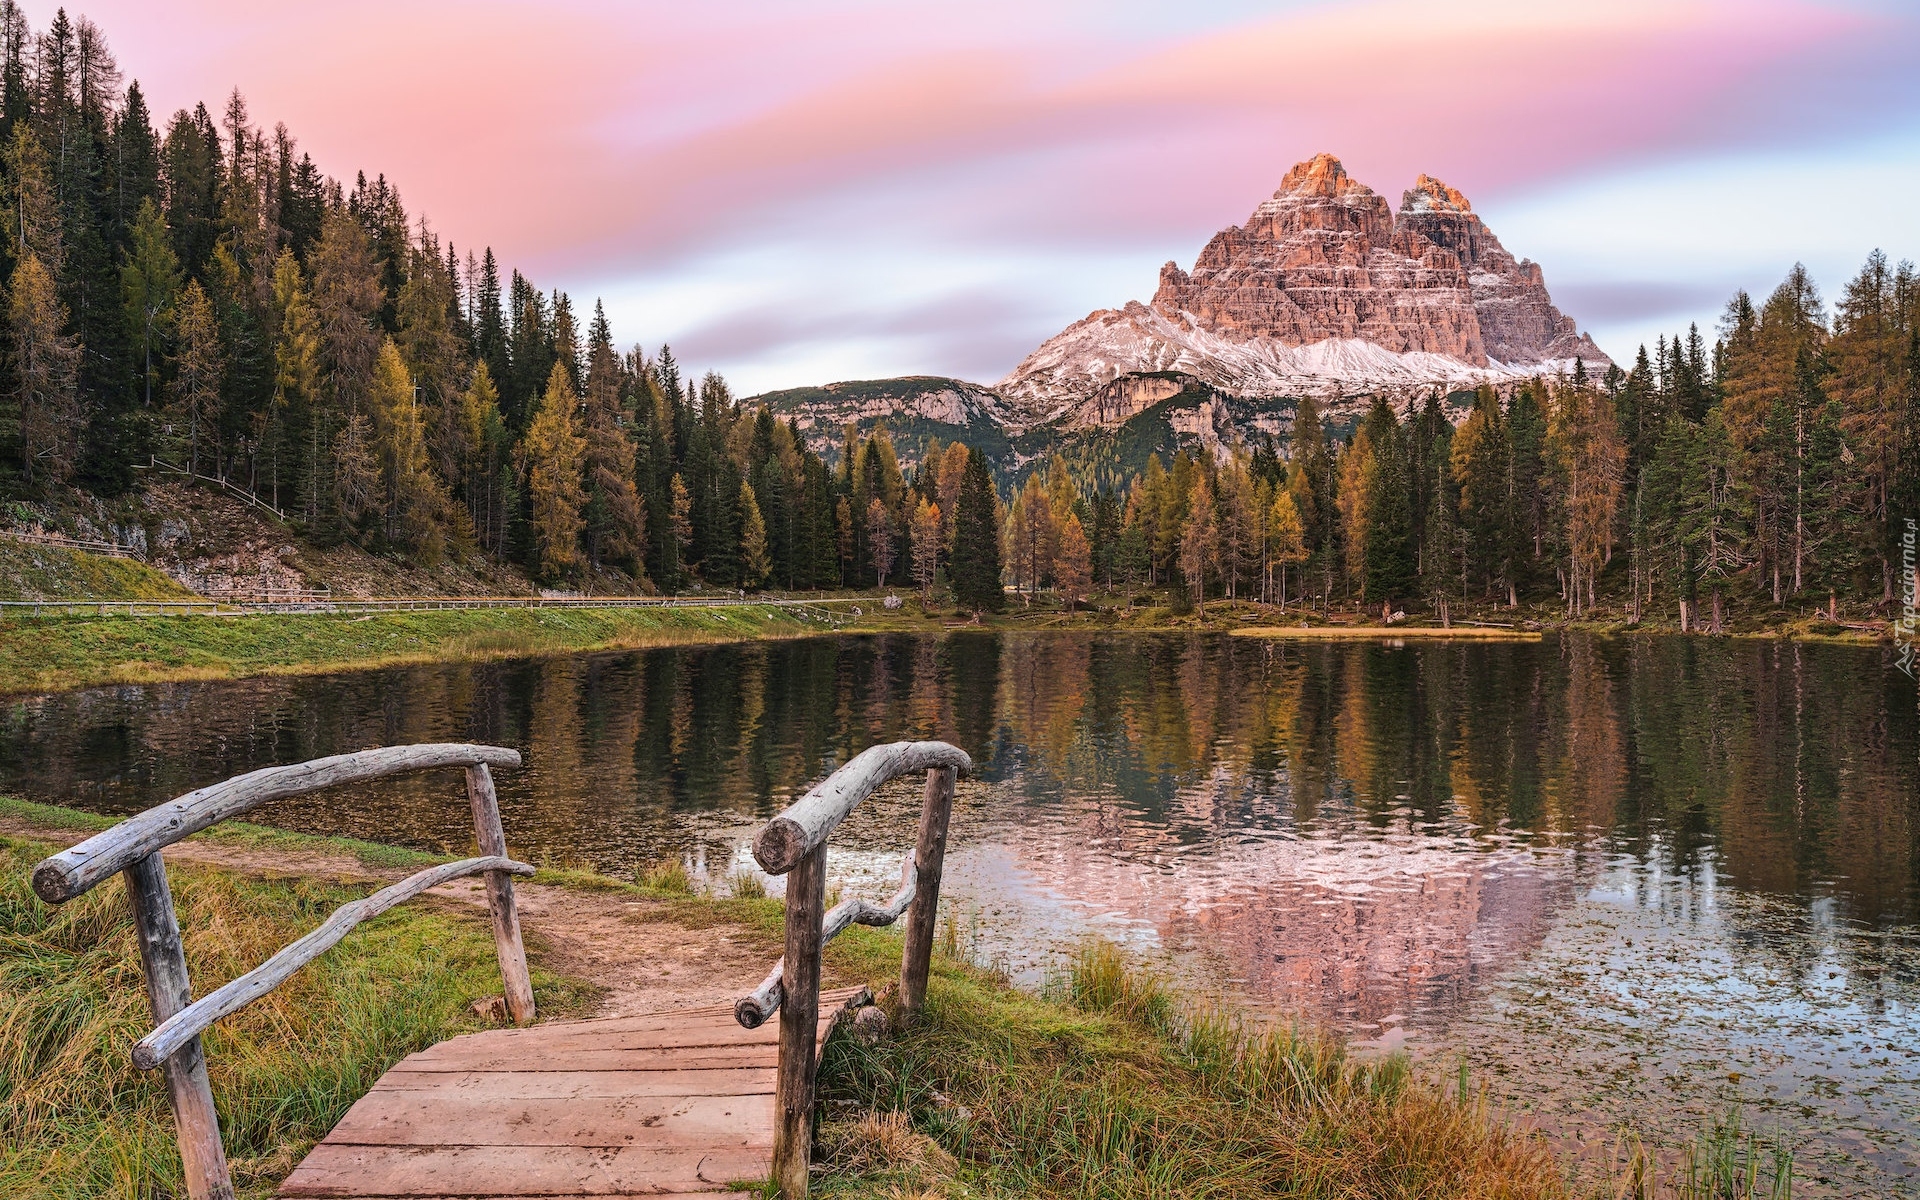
(1120, 1090)
(80, 1121)
(668, 875)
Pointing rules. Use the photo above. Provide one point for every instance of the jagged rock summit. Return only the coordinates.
(1324, 289)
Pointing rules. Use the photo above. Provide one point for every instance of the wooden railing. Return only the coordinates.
(795, 844)
(134, 846)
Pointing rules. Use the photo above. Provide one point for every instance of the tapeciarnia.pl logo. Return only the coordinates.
(1903, 629)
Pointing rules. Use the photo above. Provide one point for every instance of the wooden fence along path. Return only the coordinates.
(670, 1104)
(680, 1103)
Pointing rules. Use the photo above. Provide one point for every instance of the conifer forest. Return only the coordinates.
(194, 291)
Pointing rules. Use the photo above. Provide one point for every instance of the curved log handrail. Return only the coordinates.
(808, 821)
(134, 847)
(753, 1009)
(76, 870)
(794, 844)
(193, 1020)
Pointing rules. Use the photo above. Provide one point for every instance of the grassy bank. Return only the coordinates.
(1104, 1085)
(1107, 1086)
(29, 571)
(79, 1121)
(57, 653)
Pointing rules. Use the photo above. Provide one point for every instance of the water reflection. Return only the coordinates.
(1495, 846)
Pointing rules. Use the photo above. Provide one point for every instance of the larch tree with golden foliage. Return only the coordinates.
(1286, 538)
(928, 534)
(410, 500)
(1073, 569)
(198, 367)
(551, 459)
(755, 563)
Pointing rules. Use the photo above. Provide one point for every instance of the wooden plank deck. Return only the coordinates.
(666, 1105)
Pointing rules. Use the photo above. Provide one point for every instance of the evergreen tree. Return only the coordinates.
(976, 540)
(298, 422)
(1480, 466)
(1389, 521)
(149, 282)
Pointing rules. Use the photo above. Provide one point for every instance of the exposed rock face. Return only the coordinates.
(1518, 321)
(1323, 259)
(1323, 290)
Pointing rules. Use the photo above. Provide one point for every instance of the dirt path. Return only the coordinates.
(629, 947)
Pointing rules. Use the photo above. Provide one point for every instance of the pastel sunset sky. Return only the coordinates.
(841, 189)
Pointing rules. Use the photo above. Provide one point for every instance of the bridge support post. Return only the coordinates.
(929, 856)
(515, 982)
(799, 1020)
(196, 1124)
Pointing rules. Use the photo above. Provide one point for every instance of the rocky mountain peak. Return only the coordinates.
(1323, 289)
(1430, 195)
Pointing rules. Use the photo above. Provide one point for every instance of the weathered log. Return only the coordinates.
(169, 992)
(806, 824)
(517, 985)
(794, 1078)
(184, 1025)
(930, 855)
(753, 1009)
(73, 871)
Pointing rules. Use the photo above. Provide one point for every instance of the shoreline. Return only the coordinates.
(48, 654)
(1106, 1041)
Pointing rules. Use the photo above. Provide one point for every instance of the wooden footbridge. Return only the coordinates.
(671, 1104)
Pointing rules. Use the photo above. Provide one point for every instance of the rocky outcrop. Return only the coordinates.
(1323, 290)
(1323, 259)
(1518, 322)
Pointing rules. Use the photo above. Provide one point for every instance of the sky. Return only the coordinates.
(794, 194)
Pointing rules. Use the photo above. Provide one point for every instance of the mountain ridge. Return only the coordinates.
(1325, 291)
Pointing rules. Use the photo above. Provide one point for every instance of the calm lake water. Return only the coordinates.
(1630, 881)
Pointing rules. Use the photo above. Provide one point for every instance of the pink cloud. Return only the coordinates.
(592, 139)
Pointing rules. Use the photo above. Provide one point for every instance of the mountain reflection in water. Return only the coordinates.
(1612, 873)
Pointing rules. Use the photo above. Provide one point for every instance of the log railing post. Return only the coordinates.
(929, 855)
(799, 1018)
(517, 984)
(196, 1124)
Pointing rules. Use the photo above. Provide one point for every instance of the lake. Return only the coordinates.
(1628, 881)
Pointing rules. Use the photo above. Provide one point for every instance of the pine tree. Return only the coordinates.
(1480, 465)
(551, 459)
(1389, 521)
(149, 284)
(975, 566)
(296, 380)
(755, 563)
(680, 523)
